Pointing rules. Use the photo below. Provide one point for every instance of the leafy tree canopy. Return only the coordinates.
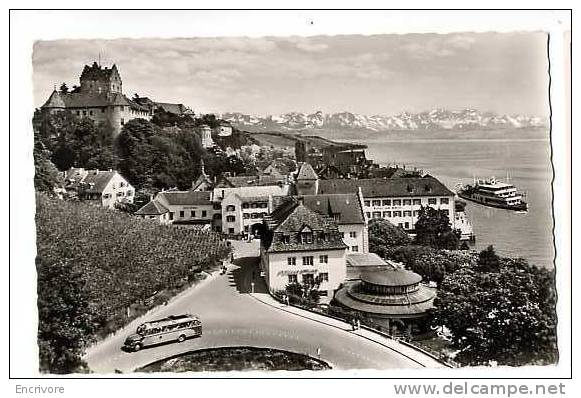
(75, 142)
(488, 261)
(65, 320)
(433, 229)
(507, 316)
(384, 236)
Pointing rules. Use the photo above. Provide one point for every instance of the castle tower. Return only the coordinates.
(302, 149)
(97, 80)
(206, 136)
(307, 181)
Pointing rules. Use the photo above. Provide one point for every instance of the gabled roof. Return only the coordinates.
(387, 187)
(306, 172)
(153, 208)
(343, 208)
(54, 101)
(202, 178)
(96, 181)
(177, 109)
(286, 223)
(186, 197)
(96, 100)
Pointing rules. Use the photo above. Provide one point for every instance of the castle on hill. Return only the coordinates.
(100, 97)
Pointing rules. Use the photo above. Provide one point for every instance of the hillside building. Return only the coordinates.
(183, 207)
(205, 133)
(99, 97)
(102, 187)
(224, 129)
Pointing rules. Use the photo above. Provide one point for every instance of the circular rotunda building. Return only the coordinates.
(391, 297)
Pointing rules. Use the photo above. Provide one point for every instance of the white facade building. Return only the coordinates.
(302, 246)
(244, 207)
(103, 187)
(184, 207)
(397, 200)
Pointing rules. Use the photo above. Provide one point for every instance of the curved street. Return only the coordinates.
(234, 316)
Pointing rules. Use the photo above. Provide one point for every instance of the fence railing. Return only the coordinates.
(340, 314)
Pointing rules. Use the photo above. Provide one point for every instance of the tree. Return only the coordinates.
(488, 261)
(65, 326)
(384, 236)
(46, 176)
(433, 229)
(137, 156)
(64, 88)
(507, 316)
(432, 264)
(72, 141)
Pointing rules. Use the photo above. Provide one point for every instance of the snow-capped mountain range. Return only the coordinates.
(436, 119)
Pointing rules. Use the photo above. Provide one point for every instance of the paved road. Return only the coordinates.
(231, 316)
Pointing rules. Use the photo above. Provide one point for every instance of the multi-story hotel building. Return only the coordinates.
(397, 200)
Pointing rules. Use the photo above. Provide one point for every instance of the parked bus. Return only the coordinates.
(173, 328)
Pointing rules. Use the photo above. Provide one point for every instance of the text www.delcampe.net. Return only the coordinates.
(494, 389)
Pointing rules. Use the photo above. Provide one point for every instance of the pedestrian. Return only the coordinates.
(358, 324)
(353, 324)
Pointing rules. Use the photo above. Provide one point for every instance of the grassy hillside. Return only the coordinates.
(119, 261)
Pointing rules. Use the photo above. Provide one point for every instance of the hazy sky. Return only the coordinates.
(383, 74)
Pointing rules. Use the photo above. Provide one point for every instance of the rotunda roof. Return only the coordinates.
(391, 277)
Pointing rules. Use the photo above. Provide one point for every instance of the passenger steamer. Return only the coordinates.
(494, 193)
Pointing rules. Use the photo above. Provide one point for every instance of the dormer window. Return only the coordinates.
(286, 239)
(306, 235)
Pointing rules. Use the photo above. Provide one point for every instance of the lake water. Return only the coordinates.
(455, 157)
